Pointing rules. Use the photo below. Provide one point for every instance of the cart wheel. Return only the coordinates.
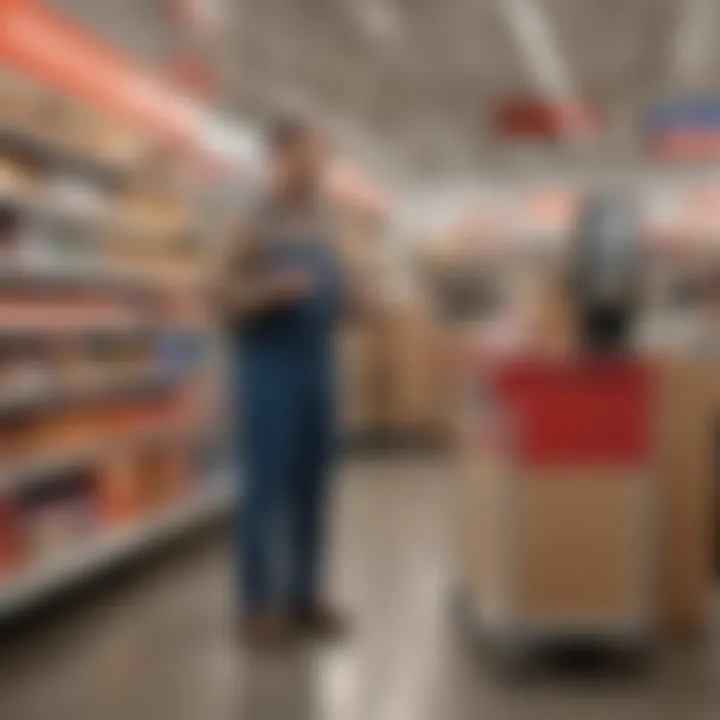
(638, 657)
(509, 659)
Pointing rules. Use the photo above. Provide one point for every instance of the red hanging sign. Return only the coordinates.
(543, 120)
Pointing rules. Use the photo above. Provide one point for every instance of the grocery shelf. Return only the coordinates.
(54, 398)
(104, 243)
(41, 471)
(34, 334)
(90, 279)
(43, 204)
(50, 153)
(56, 574)
(39, 203)
(96, 280)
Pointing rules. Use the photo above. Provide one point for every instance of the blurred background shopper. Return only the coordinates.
(280, 295)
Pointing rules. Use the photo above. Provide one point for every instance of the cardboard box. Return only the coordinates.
(414, 346)
(548, 548)
(362, 380)
(685, 446)
(585, 545)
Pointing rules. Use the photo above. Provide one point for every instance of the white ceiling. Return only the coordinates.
(411, 83)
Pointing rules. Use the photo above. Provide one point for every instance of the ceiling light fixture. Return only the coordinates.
(533, 33)
(693, 41)
(379, 19)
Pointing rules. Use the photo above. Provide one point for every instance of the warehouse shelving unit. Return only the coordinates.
(112, 549)
(104, 431)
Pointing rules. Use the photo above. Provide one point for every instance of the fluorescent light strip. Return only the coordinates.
(378, 18)
(693, 41)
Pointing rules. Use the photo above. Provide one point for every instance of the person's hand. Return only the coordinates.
(292, 285)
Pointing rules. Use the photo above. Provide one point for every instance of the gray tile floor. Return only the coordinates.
(159, 645)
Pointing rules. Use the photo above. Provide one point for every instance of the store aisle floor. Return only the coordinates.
(159, 645)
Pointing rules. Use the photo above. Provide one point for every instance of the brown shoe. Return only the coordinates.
(321, 621)
(267, 633)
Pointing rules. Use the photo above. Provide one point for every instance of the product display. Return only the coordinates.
(102, 349)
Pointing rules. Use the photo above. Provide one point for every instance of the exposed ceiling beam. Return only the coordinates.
(380, 20)
(343, 131)
(534, 35)
(694, 41)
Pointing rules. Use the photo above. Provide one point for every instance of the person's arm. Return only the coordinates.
(245, 287)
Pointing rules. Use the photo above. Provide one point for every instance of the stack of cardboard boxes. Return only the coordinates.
(393, 377)
(392, 357)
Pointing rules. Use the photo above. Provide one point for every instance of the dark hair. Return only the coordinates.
(284, 133)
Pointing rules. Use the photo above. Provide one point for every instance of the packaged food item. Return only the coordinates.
(118, 490)
(68, 363)
(60, 515)
(15, 179)
(13, 540)
(164, 475)
(17, 437)
(10, 227)
(72, 429)
(6, 372)
(176, 475)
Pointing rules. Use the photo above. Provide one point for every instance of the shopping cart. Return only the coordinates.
(558, 502)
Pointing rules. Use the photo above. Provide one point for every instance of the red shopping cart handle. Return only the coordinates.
(594, 411)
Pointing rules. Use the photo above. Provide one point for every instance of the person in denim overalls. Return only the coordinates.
(281, 297)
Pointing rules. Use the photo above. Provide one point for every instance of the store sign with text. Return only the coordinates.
(684, 130)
